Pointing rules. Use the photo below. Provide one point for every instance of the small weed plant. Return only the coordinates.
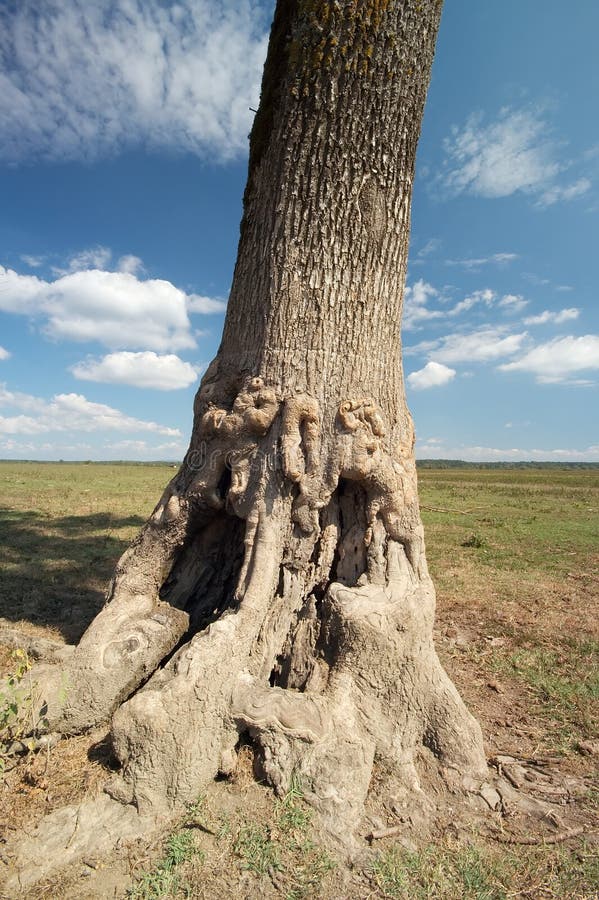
(257, 850)
(166, 879)
(19, 721)
(475, 541)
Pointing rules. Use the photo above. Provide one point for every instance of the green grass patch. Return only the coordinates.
(286, 848)
(437, 873)
(166, 879)
(564, 681)
(257, 850)
(279, 847)
(62, 529)
(535, 521)
(472, 873)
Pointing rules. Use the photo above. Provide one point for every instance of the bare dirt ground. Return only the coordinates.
(513, 553)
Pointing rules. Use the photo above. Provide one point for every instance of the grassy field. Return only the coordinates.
(513, 553)
(62, 528)
(514, 557)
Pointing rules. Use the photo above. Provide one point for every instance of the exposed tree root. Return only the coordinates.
(68, 835)
(545, 839)
(385, 833)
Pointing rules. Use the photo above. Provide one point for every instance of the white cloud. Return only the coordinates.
(558, 359)
(116, 309)
(432, 375)
(68, 413)
(420, 292)
(513, 302)
(36, 449)
(144, 370)
(568, 192)
(94, 258)
(426, 450)
(513, 153)
(415, 309)
(4, 354)
(484, 345)
(82, 80)
(130, 264)
(475, 263)
(564, 315)
(421, 348)
(485, 296)
(61, 447)
(205, 305)
(488, 298)
(431, 246)
(131, 449)
(34, 262)
(19, 293)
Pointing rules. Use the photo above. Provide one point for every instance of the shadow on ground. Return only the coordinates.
(54, 571)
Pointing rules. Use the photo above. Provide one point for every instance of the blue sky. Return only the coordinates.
(123, 142)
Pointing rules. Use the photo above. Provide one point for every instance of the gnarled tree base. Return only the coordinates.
(381, 693)
(376, 694)
(290, 603)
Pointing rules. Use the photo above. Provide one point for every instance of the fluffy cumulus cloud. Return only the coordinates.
(80, 80)
(556, 318)
(415, 310)
(483, 345)
(4, 354)
(559, 360)
(205, 305)
(515, 152)
(116, 309)
(144, 370)
(30, 415)
(432, 375)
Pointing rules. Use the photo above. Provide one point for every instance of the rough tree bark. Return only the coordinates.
(280, 587)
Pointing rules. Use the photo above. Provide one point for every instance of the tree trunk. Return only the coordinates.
(280, 587)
